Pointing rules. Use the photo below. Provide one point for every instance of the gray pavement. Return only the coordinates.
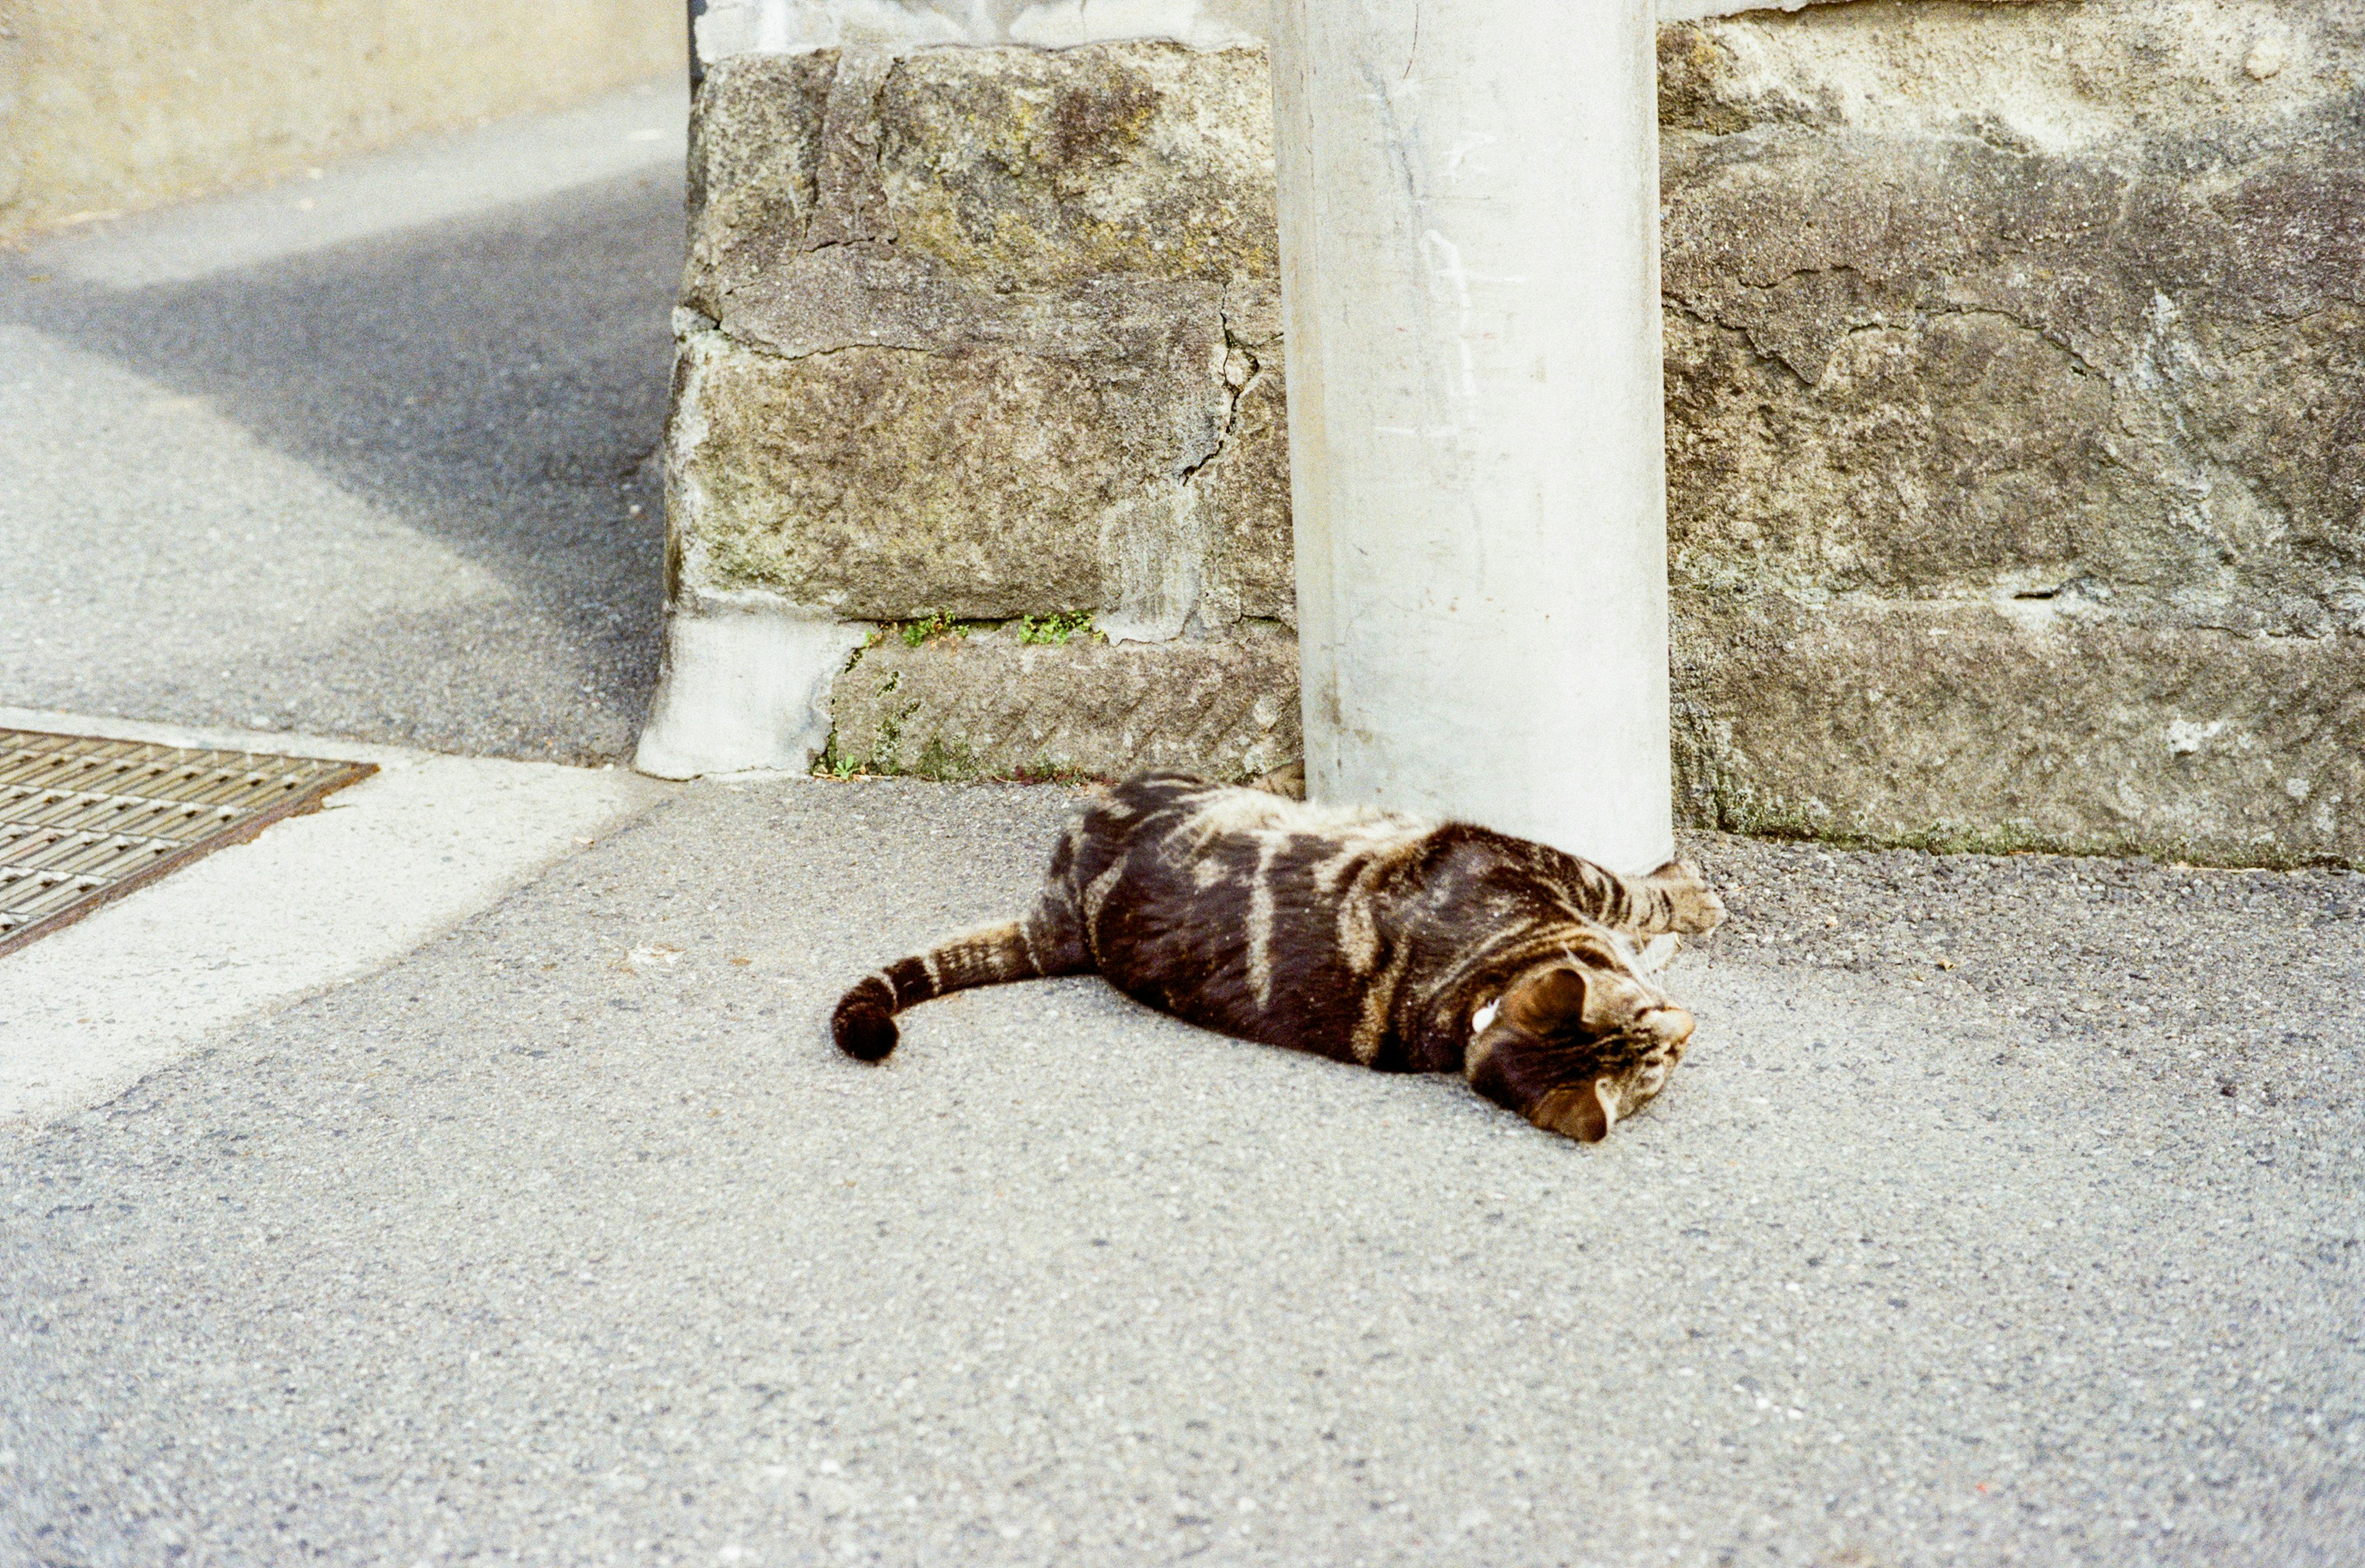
(2008, 1211)
(392, 485)
(570, 1239)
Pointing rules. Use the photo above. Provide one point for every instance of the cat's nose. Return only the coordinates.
(1671, 1024)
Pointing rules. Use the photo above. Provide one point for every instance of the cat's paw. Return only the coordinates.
(1693, 907)
(1288, 782)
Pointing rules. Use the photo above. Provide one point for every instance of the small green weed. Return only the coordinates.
(939, 624)
(1044, 770)
(1056, 630)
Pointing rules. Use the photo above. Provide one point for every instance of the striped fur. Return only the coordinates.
(992, 955)
(1352, 933)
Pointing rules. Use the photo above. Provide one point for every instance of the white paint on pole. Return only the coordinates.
(1469, 224)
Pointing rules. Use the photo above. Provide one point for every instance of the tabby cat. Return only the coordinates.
(1406, 946)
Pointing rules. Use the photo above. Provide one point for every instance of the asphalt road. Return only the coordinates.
(570, 1240)
(395, 488)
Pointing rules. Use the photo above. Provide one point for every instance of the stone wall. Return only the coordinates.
(2015, 390)
(2014, 395)
(989, 334)
(727, 27)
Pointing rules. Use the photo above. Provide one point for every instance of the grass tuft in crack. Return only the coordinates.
(1055, 631)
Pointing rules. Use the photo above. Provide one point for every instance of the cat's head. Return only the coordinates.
(1578, 1045)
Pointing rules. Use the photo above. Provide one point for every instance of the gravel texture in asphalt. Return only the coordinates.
(570, 1240)
(2245, 981)
(400, 491)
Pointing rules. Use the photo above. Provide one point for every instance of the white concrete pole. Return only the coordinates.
(1468, 239)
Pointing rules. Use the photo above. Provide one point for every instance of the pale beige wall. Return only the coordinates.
(128, 103)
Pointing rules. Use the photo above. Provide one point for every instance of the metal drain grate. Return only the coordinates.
(83, 821)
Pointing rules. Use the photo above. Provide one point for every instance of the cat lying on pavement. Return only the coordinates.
(1404, 944)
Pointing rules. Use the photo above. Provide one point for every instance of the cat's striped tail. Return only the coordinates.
(864, 1023)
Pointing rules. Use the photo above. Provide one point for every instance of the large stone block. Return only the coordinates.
(2015, 377)
(2018, 725)
(1034, 171)
(988, 705)
(1001, 171)
(1965, 300)
(1961, 450)
(755, 170)
(1897, 406)
(891, 483)
(989, 332)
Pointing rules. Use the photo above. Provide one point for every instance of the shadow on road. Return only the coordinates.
(498, 387)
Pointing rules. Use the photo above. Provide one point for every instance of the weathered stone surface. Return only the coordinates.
(883, 414)
(733, 27)
(1006, 169)
(1952, 313)
(2015, 395)
(887, 483)
(2009, 724)
(2051, 311)
(755, 168)
(1037, 171)
(2134, 420)
(2084, 74)
(1243, 489)
(987, 705)
(1960, 450)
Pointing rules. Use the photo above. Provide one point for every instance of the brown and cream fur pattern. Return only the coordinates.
(1404, 944)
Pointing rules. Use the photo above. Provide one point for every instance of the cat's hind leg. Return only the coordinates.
(1049, 942)
(1674, 898)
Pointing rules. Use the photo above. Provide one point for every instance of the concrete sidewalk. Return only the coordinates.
(318, 900)
(570, 1240)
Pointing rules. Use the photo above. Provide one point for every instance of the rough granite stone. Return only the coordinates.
(1931, 365)
(2016, 424)
(889, 413)
(1243, 489)
(2007, 724)
(891, 483)
(1031, 169)
(755, 165)
(1962, 300)
(987, 705)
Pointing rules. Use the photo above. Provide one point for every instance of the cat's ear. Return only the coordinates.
(1546, 1004)
(1582, 1112)
(1594, 1116)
